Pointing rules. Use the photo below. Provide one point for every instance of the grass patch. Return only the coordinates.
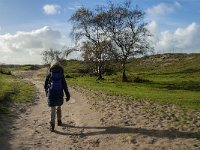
(162, 91)
(163, 78)
(13, 90)
(9, 68)
(42, 75)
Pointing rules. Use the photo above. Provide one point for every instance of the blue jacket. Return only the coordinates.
(56, 99)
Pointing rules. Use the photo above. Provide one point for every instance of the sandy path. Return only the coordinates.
(80, 130)
(85, 128)
(31, 130)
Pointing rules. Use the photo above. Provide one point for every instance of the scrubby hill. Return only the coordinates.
(186, 63)
(168, 78)
(161, 63)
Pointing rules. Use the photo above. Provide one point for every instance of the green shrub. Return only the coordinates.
(5, 71)
(139, 79)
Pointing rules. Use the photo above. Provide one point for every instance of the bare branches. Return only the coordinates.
(121, 26)
(87, 29)
(50, 55)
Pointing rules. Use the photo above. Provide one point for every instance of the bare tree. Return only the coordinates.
(49, 55)
(66, 51)
(127, 30)
(96, 56)
(86, 29)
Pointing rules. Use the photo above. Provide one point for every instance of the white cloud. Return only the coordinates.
(153, 27)
(160, 9)
(36, 39)
(180, 40)
(177, 4)
(50, 9)
(26, 47)
(74, 7)
(163, 8)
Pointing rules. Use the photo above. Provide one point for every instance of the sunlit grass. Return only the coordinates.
(13, 90)
(171, 91)
(167, 78)
(9, 68)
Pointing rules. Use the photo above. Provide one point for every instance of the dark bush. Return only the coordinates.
(109, 71)
(138, 79)
(83, 70)
(68, 76)
(34, 67)
(4, 71)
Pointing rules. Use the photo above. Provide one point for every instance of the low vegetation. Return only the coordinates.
(7, 69)
(13, 90)
(169, 78)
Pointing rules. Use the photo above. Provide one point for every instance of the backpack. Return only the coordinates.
(55, 84)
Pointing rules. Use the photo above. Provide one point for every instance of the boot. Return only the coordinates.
(52, 126)
(59, 122)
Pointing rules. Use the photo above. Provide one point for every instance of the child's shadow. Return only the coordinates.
(97, 130)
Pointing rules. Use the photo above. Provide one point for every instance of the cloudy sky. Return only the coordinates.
(27, 27)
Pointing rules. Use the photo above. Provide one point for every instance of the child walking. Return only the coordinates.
(54, 86)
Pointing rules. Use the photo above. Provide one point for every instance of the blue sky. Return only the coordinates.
(27, 27)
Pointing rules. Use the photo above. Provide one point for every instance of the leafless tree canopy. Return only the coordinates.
(51, 54)
(113, 30)
(86, 29)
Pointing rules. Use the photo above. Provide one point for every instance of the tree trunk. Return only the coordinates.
(100, 74)
(124, 77)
